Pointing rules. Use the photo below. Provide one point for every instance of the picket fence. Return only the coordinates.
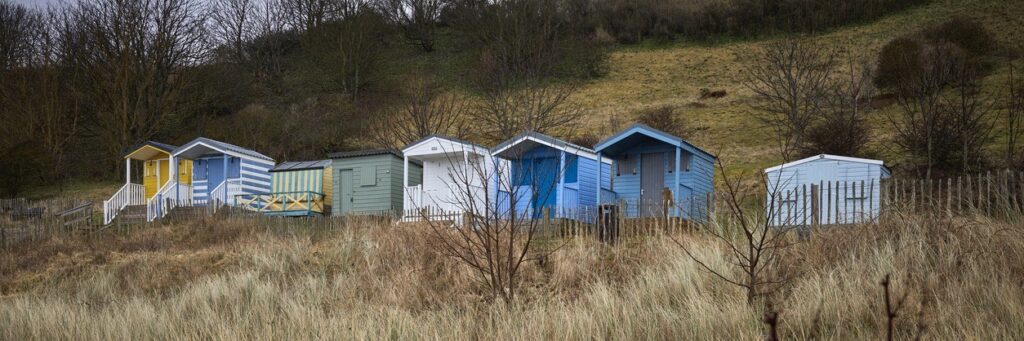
(997, 194)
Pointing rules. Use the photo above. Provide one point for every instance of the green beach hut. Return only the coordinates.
(370, 182)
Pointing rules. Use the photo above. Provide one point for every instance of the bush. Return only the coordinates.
(663, 118)
(953, 42)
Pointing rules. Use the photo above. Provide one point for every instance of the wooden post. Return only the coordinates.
(828, 204)
(127, 171)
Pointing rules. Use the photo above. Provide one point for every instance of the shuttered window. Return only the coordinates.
(368, 176)
(625, 165)
(684, 157)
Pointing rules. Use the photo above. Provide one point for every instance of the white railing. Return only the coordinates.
(413, 198)
(227, 189)
(129, 194)
(160, 204)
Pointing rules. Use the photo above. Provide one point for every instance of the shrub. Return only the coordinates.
(663, 118)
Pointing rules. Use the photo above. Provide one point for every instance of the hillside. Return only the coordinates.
(651, 75)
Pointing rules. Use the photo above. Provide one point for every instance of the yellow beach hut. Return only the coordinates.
(155, 158)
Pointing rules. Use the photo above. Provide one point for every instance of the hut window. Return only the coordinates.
(625, 165)
(234, 169)
(368, 176)
(686, 162)
(199, 170)
(572, 168)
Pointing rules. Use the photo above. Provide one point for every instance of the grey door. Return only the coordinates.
(345, 191)
(652, 182)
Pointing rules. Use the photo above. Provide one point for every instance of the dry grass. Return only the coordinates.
(221, 280)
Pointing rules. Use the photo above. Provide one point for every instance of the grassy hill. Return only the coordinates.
(651, 74)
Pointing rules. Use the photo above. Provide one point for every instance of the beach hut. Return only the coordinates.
(155, 158)
(548, 174)
(297, 188)
(220, 172)
(370, 182)
(456, 179)
(658, 174)
(824, 189)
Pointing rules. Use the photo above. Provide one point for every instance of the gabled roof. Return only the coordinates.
(478, 148)
(368, 152)
(643, 129)
(300, 165)
(222, 147)
(827, 157)
(545, 140)
(158, 145)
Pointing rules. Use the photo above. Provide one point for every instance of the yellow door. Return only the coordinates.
(164, 170)
(149, 177)
(185, 172)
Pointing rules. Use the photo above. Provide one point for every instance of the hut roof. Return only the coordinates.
(300, 165)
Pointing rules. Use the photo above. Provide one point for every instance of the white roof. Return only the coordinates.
(825, 157)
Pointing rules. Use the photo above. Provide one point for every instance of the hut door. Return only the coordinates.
(545, 186)
(652, 182)
(346, 191)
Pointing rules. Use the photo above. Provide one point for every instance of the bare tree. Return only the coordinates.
(417, 18)
(921, 126)
(1014, 114)
(131, 60)
(542, 107)
(429, 110)
(15, 38)
(755, 244)
(349, 49)
(789, 78)
(841, 127)
(967, 111)
(234, 22)
(496, 237)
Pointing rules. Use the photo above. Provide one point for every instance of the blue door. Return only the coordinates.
(545, 185)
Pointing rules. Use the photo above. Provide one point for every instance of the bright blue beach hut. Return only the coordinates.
(647, 163)
(547, 173)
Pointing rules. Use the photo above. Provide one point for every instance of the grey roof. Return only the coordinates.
(368, 152)
(661, 134)
(542, 137)
(225, 146)
(300, 165)
(159, 145)
(446, 137)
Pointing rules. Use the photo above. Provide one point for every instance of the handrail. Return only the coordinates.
(129, 194)
(282, 202)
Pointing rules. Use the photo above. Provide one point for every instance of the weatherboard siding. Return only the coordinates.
(822, 172)
(377, 183)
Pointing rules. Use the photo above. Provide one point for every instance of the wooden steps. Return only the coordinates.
(131, 215)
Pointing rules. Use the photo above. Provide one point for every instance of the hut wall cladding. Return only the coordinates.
(847, 175)
(376, 183)
(695, 178)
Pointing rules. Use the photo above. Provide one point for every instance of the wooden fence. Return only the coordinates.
(997, 194)
(24, 220)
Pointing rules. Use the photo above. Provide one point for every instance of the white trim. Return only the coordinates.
(177, 152)
(825, 157)
(464, 147)
(570, 149)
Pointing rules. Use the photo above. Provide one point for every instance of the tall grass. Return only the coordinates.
(962, 279)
